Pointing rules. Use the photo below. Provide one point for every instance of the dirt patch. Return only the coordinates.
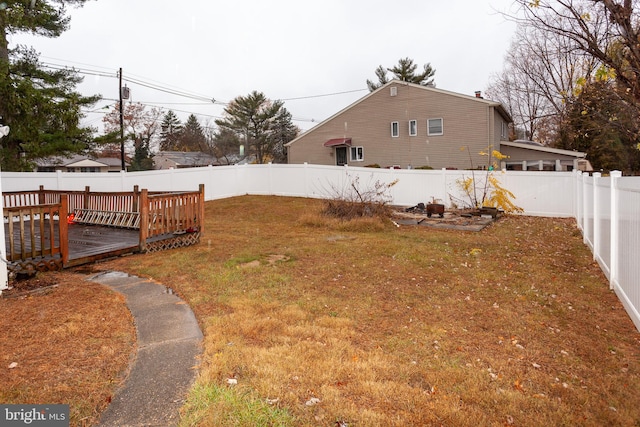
(270, 260)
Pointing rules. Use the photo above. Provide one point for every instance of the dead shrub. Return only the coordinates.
(354, 200)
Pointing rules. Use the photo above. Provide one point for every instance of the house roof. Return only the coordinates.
(187, 158)
(530, 145)
(77, 161)
(475, 98)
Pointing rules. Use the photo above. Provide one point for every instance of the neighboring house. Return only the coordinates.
(182, 159)
(530, 155)
(79, 163)
(405, 125)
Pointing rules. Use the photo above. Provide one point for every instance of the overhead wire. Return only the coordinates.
(165, 88)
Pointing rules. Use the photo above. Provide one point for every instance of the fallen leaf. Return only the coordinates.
(518, 385)
(312, 401)
(13, 365)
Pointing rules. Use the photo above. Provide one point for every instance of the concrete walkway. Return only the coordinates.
(169, 343)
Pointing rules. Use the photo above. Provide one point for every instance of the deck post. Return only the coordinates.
(87, 193)
(41, 198)
(201, 209)
(64, 228)
(136, 198)
(144, 219)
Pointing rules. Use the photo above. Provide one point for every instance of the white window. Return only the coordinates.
(504, 130)
(357, 154)
(413, 127)
(393, 90)
(395, 129)
(435, 127)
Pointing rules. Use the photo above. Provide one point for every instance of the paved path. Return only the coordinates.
(169, 343)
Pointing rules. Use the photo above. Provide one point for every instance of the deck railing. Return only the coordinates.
(159, 217)
(32, 235)
(164, 214)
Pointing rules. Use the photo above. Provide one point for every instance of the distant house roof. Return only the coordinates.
(183, 159)
(79, 161)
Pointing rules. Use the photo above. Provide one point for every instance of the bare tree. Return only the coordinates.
(141, 126)
(606, 31)
(539, 78)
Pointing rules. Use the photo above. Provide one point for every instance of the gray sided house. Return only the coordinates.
(529, 155)
(407, 126)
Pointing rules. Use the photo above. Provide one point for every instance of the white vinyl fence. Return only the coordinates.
(608, 213)
(607, 210)
(538, 193)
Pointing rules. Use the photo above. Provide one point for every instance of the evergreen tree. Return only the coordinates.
(259, 122)
(405, 70)
(192, 137)
(226, 145)
(170, 133)
(283, 132)
(41, 106)
(142, 159)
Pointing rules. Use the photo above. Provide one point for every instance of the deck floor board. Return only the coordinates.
(84, 240)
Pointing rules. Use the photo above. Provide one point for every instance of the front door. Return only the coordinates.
(341, 156)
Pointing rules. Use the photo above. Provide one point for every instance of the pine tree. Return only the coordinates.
(41, 106)
(171, 130)
(192, 137)
(259, 122)
(405, 70)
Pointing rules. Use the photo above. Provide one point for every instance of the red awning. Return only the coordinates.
(338, 141)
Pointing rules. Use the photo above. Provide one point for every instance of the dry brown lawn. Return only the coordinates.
(367, 324)
(70, 343)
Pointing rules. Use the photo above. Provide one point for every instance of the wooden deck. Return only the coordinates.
(39, 236)
(86, 242)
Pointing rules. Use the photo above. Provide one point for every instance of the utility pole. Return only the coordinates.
(121, 123)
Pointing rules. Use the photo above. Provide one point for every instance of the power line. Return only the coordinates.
(162, 87)
(323, 95)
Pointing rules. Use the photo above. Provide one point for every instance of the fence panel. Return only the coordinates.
(626, 282)
(602, 223)
(588, 210)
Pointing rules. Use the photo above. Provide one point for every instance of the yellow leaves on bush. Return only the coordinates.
(501, 198)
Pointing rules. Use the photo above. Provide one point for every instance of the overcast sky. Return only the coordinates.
(305, 53)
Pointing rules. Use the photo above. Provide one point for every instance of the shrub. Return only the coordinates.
(484, 188)
(354, 200)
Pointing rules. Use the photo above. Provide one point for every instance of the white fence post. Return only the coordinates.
(596, 217)
(585, 209)
(615, 229)
(578, 208)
